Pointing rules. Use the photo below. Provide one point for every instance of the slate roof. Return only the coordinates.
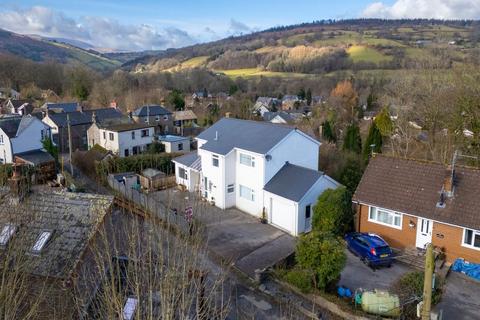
(151, 110)
(293, 182)
(287, 117)
(71, 217)
(104, 114)
(191, 160)
(76, 118)
(13, 126)
(413, 187)
(63, 106)
(119, 127)
(172, 138)
(36, 157)
(254, 136)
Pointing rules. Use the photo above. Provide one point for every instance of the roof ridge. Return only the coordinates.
(423, 161)
(265, 123)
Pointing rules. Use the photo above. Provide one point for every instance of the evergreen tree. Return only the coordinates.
(328, 133)
(352, 140)
(301, 94)
(308, 97)
(175, 99)
(373, 142)
(384, 122)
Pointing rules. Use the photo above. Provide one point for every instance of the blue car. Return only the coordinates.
(371, 249)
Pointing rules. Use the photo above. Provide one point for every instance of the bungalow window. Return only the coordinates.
(145, 133)
(111, 136)
(41, 241)
(7, 232)
(385, 217)
(231, 188)
(471, 238)
(247, 160)
(215, 160)
(247, 193)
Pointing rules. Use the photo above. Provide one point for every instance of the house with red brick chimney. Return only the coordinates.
(411, 203)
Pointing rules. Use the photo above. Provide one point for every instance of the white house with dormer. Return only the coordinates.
(264, 169)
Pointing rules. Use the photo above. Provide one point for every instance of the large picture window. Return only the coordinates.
(385, 217)
(471, 238)
(247, 193)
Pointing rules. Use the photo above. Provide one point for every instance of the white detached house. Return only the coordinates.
(20, 135)
(257, 167)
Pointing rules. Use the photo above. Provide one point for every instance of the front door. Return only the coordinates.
(424, 232)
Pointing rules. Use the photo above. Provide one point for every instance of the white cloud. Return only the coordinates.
(435, 9)
(102, 32)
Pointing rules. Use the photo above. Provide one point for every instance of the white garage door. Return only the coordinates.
(283, 214)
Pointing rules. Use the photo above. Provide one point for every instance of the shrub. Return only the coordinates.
(302, 279)
(333, 212)
(352, 140)
(322, 255)
(411, 285)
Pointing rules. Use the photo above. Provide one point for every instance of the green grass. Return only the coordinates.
(360, 53)
(254, 72)
(195, 62)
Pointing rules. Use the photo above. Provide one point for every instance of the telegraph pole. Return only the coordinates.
(70, 143)
(428, 282)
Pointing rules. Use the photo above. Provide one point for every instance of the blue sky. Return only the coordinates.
(150, 24)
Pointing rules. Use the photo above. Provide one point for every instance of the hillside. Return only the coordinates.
(325, 47)
(37, 49)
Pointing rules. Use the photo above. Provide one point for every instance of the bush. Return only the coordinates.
(333, 212)
(411, 285)
(323, 256)
(302, 279)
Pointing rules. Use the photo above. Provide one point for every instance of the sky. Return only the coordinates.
(160, 24)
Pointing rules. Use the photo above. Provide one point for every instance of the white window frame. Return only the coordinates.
(388, 212)
(111, 136)
(157, 118)
(145, 133)
(165, 117)
(231, 188)
(247, 160)
(216, 159)
(250, 196)
(468, 245)
(184, 176)
(6, 234)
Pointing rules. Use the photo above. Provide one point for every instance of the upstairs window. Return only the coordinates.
(7, 232)
(247, 160)
(41, 241)
(215, 161)
(157, 118)
(111, 136)
(471, 238)
(133, 135)
(145, 133)
(104, 135)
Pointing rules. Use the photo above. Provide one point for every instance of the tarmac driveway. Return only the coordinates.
(233, 235)
(461, 298)
(357, 275)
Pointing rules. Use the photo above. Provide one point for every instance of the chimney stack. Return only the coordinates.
(18, 185)
(216, 135)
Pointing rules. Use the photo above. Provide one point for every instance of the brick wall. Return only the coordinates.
(443, 236)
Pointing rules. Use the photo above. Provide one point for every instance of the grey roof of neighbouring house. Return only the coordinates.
(36, 157)
(293, 182)
(152, 173)
(153, 110)
(104, 114)
(191, 160)
(172, 138)
(76, 118)
(64, 106)
(13, 126)
(71, 217)
(254, 136)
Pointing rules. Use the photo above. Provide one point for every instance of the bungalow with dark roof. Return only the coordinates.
(411, 203)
